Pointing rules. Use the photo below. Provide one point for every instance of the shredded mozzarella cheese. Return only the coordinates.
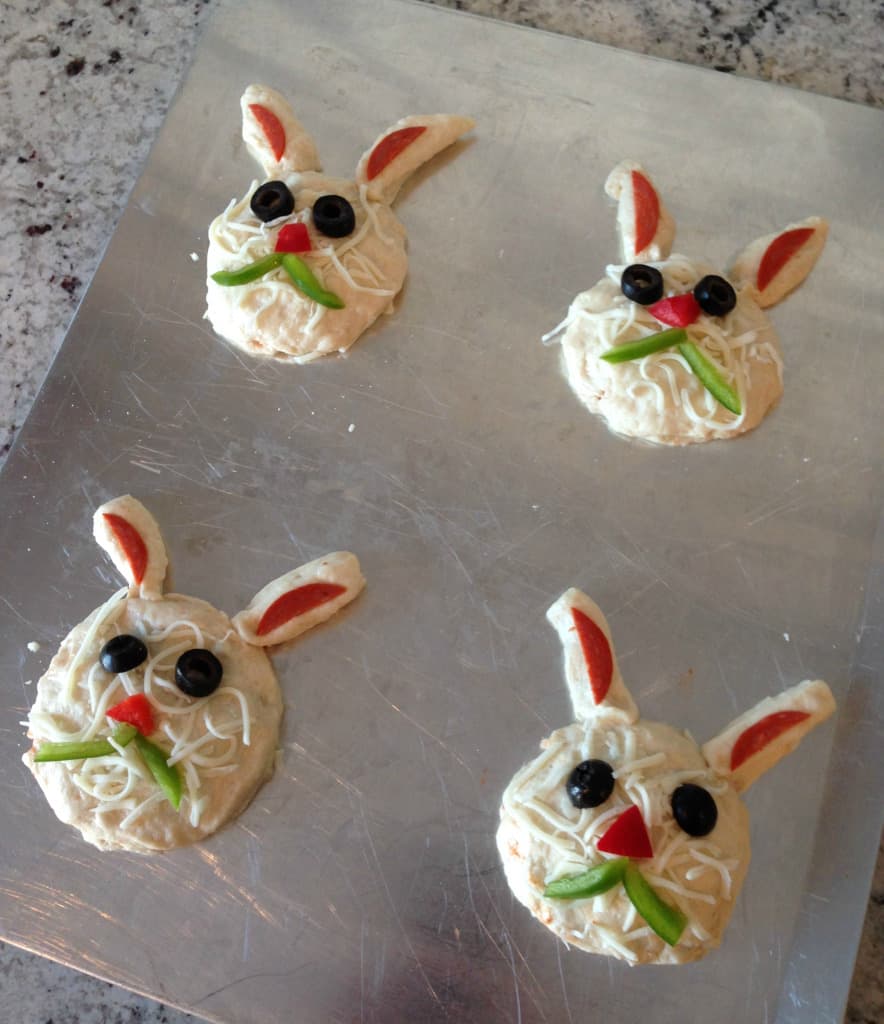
(206, 734)
(106, 615)
(731, 342)
(561, 840)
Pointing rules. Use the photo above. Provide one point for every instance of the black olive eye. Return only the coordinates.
(333, 216)
(590, 784)
(642, 284)
(198, 673)
(694, 809)
(271, 200)
(715, 296)
(122, 653)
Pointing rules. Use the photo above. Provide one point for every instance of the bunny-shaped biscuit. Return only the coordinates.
(303, 264)
(158, 719)
(624, 837)
(718, 379)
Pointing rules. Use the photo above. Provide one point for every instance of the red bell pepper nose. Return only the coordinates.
(677, 310)
(627, 837)
(293, 238)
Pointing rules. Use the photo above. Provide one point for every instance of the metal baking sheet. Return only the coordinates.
(448, 452)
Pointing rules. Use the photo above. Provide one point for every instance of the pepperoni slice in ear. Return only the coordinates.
(390, 146)
(272, 128)
(297, 602)
(757, 736)
(597, 654)
(778, 254)
(647, 210)
(131, 542)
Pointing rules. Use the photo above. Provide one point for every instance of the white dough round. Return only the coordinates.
(543, 837)
(658, 398)
(114, 800)
(270, 317)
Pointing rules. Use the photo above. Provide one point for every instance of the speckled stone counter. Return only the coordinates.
(86, 88)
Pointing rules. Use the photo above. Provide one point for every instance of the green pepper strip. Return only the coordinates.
(668, 922)
(710, 378)
(645, 346)
(166, 776)
(248, 273)
(305, 279)
(122, 735)
(593, 882)
(302, 276)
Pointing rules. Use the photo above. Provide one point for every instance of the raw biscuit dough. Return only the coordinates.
(544, 837)
(224, 744)
(658, 398)
(270, 317)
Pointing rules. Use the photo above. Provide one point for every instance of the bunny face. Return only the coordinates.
(195, 689)
(635, 807)
(345, 246)
(721, 377)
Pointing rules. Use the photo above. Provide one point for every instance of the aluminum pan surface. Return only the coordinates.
(363, 883)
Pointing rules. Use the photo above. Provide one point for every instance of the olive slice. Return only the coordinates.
(714, 295)
(272, 200)
(694, 809)
(333, 216)
(198, 672)
(122, 653)
(642, 284)
(590, 784)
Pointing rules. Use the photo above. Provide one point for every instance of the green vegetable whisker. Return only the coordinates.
(646, 346)
(710, 378)
(166, 776)
(78, 751)
(301, 275)
(666, 921)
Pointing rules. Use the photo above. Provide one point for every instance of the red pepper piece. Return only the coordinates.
(778, 254)
(131, 542)
(647, 212)
(390, 147)
(134, 710)
(293, 238)
(297, 602)
(677, 310)
(596, 653)
(272, 128)
(627, 837)
(757, 736)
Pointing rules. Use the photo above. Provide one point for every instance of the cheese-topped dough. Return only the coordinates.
(643, 799)
(661, 396)
(543, 837)
(225, 743)
(215, 740)
(658, 398)
(271, 317)
(361, 264)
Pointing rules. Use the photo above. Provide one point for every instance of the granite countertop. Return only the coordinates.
(86, 89)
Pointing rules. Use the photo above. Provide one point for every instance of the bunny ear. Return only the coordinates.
(756, 740)
(129, 534)
(645, 225)
(403, 148)
(590, 666)
(273, 135)
(301, 599)
(776, 264)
